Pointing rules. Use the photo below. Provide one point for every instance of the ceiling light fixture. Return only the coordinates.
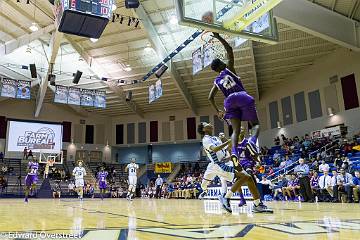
(173, 19)
(148, 48)
(94, 40)
(127, 68)
(34, 27)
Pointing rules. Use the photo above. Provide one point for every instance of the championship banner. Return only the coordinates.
(74, 96)
(23, 90)
(197, 61)
(158, 89)
(61, 94)
(100, 99)
(8, 87)
(152, 93)
(215, 192)
(164, 167)
(251, 11)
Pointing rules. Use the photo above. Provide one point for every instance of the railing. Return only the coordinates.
(324, 147)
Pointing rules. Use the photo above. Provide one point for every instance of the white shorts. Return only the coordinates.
(79, 182)
(214, 170)
(132, 180)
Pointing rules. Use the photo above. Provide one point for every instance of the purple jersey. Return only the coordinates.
(33, 167)
(228, 82)
(245, 159)
(101, 176)
(293, 183)
(314, 181)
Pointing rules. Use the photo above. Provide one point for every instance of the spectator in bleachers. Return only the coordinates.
(323, 166)
(265, 186)
(282, 183)
(325, 187)
(2, 156)
(288, 161)
(345, 184)
(276, 155)
(302, 171)
(356, 187)
(30, 154)
(277, 141)
(25, 153)
(338, 161)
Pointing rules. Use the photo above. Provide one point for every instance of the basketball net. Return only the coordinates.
(217, 49)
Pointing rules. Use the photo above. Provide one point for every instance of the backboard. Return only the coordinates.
(248, 19)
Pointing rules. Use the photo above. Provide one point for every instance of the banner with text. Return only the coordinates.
(164, 167)
(215, 192)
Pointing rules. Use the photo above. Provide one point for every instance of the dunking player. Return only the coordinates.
(216, 151)
(101, 177)
(132, 169)
(239, 106)
(79, 173)
(31, 177)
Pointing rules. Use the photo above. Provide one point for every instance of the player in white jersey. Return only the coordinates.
(79, 173)
(216, 150)
(132, 169)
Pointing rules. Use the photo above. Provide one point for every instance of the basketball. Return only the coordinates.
(208, 17)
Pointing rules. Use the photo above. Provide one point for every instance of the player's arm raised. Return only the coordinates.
(220, 147)
(229, 51)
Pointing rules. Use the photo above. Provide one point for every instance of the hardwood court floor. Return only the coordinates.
(174, 219)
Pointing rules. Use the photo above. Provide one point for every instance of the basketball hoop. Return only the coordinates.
(50, 161)
(217, 49)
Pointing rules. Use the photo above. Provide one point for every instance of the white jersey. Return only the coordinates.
(79, 172)
(214, 141)
(132, 169)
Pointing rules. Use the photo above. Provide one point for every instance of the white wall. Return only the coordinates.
(342, 63)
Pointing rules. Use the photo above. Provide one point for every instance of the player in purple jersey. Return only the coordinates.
(31, 177)
(101, 177)
(239, 106)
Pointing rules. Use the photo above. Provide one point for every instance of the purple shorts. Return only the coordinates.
(246, 163)
(102, 185)
(240, 105)
(30, 180)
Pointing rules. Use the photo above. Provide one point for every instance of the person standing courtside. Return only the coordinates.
(158, 182)
(302, 170)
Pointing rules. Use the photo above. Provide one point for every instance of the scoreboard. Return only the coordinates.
(87, 18)
(101, 8)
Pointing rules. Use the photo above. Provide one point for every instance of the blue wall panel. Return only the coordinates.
(176, 152)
